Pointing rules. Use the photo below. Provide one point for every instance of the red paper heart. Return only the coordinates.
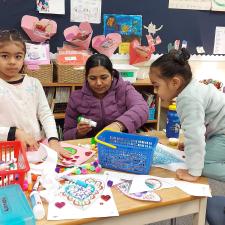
(105, 197)
(76, 156)
(60, 204)
(88, 153)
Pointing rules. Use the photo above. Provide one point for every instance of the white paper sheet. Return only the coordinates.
(190, 4)
(99, 208)
(50, 162)
(168, 158)
(51, 6)
(219, 43)
(191, 188)
(86, 11)
(218, 5)
(117, 177)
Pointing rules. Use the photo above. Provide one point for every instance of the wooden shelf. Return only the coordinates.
(144, 82)
(59, 115)
(151, 121)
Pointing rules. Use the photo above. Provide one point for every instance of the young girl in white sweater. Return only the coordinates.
(22, 99)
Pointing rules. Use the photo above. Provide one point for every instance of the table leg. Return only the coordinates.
(173, 221)
(199, 218)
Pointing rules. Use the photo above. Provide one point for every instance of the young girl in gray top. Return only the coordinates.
(201, 109)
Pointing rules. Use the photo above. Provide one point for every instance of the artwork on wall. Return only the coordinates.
(129, 26)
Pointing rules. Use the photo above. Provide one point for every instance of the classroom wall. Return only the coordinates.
(195, 26)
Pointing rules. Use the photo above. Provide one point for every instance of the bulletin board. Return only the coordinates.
(194, 26)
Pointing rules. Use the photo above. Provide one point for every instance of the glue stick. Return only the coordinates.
(88, 121)
(38, 209)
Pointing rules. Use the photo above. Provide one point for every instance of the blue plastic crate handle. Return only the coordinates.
(103, 142)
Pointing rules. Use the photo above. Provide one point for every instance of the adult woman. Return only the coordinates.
(106, 99)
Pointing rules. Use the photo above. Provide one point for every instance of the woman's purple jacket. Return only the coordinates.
(122, 103)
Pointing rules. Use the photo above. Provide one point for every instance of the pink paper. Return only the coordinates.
(108, 44)
(80, 157)
(38, 30)
(79, 36)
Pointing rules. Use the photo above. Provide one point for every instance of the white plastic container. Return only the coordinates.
(127, 72)
(38, 209)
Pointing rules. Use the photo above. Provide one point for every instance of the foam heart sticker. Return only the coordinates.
(105, 197)
(60, 204)
(140, 53)
(88, 153)
(38, 30)
(79, 36)
(108, 44)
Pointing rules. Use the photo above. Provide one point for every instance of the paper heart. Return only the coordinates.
(106, 44)
(88, 153)
(105, 197)
(79, 36)
(38, 30)
(140, 53)
(76, 156)
(60, 204)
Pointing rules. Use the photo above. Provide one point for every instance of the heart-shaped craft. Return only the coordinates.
(108, 44)
(38, 30)
(60, 204)
(83, 193)
(140, 53)
(79, 36)
(88, 153)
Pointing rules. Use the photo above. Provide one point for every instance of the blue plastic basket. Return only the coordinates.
(126, 152)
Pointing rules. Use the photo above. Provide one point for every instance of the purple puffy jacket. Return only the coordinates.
(122, 103)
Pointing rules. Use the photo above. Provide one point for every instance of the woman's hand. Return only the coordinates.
(55, 145)
(26, 139)
(115, 126)
(184, 175)
(83, 129)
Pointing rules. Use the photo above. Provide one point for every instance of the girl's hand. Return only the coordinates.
(115, 126)
(55, 145)
(26, 139)
(184, 175)
(83, 129)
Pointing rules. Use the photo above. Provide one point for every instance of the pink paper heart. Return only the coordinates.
(106, 44)
(79, 36)
(60, 204)
(38, 30)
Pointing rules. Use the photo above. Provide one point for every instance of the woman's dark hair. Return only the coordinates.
(100, 60)
(173, 63)
(11, 35)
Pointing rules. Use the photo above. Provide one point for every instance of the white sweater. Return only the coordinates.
(201, 109)
(23, 106)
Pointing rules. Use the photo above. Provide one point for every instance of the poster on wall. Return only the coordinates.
(190, 4)
(218, 5)
(128, 26)
(219, 44)
(85, 11)
(51, 6)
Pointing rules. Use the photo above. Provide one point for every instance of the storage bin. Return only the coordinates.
(127, 72)
(126, 152)
(151, 115)
(69, 73)
(14, 207)
(8, 151)
(44, 73)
